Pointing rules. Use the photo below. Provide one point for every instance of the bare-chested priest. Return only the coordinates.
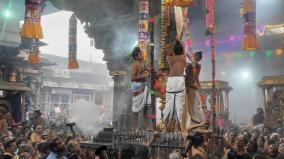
(140, 92)
(175, 94)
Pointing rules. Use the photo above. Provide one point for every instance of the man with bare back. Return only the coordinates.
(140, 93)
(175, 86)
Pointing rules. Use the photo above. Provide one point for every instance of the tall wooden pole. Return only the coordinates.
(213, 61)
(210, 25)
(153, 96)
(210, 31)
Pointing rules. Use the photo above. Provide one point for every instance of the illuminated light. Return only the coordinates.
(7, 13)
(278, 29)
(232, 38)
(152, 92)
(135, 44)
(268, 53)
(252, 54)
(245, 75)
(223, 73)
(207, 42)
(279, 52)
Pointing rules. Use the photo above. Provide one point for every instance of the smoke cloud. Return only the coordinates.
(87, 117)
(124, 40)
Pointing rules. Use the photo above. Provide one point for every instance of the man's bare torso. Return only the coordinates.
(138, 68)
(176, 64)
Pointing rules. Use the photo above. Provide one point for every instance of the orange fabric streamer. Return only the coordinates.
(34, 54)
(32, 27)
(249, 41)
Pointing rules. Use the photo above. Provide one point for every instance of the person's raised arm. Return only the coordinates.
(192, 127)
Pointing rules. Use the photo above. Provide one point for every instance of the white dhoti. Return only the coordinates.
(195, 109)
(174, 99)
(140, 95)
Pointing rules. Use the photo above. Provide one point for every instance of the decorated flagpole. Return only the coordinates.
(210, 25)
(153, 96)
(210, 31)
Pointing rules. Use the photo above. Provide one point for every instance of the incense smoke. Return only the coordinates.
(87, 117)
(124, 41)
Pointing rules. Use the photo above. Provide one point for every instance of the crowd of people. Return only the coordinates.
(36, 139)
(39, 139)
(254, 144)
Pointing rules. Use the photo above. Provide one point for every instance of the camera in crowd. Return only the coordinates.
(70, 124)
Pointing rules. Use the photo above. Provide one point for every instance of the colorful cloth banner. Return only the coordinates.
(73, 63)
(34, 53)
(248, 16)
(143, 27)
(179, 3)
(32, 27)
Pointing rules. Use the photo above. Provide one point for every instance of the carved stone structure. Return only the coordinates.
(273, 93)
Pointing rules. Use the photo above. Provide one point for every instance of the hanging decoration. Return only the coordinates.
(73, 63)
(248, 16)
(32, 27)
(179, 3)
(164, 34)
(34, 53)
(143, 27)
(160, 83)
(271, 29)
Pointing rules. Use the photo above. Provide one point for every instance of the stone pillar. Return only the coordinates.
(119, 99)
(227, 103)
(122, 101)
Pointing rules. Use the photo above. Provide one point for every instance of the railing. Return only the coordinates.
(164, 144)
